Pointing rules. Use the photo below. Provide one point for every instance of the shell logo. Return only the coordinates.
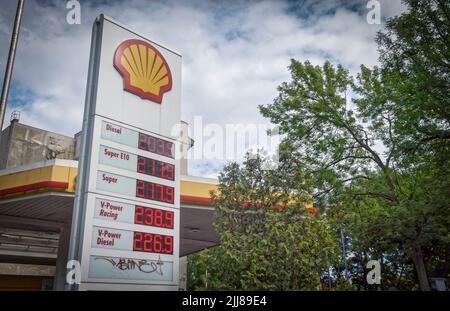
(144, 69)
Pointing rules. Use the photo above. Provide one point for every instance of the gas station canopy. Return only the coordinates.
(36, 202)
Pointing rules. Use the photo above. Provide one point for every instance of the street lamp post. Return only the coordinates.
(10, 62)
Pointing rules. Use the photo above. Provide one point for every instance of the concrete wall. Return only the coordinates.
(22, 144)
(77, 147)
(4, 146)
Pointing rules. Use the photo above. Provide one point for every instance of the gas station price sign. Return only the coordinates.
(135, 188)
(155, 168)
(153, 191)
(155, 217)
(127, 205)
(152, 243)
(137, 241)
(114, 211)
(139, 140)
(156, 145)
(136, 163)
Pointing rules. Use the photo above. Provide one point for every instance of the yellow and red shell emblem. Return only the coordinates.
(143, 68)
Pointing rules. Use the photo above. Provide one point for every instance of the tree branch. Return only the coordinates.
(376, 195)
(340, 160)
(344, 181)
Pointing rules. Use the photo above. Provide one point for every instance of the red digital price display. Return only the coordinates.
(153, 217)
(155, 168)
(156, 145)
(152, 243)
(153, 191)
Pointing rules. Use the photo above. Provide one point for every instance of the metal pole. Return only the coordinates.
(10, 63)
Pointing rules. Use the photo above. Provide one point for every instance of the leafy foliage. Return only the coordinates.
(380, 158)
(269, 239)
(415, 56)
(371, 152)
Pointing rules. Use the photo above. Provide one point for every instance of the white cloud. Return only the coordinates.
(235, 54)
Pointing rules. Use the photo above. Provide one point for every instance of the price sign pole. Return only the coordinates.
(126, 218)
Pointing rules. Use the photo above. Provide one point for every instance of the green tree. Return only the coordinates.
(372, 150)
(415, 57)
(269, 239)
(388, 144)
(338, 140)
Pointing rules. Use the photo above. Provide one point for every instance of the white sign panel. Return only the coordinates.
(109, 210)
(101, 267)
(125, 229)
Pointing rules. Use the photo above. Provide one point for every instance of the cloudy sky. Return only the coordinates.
(235, 53)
